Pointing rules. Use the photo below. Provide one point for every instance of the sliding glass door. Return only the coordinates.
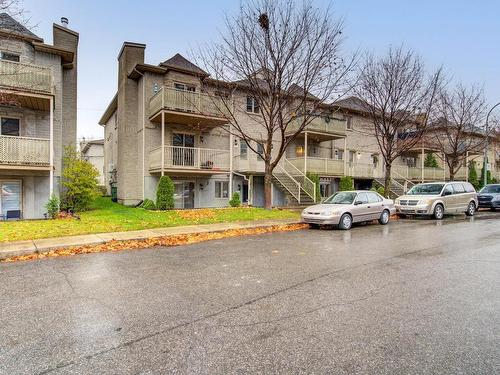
(10, 200)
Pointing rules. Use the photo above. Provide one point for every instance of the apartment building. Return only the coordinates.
(162, 122)
(92, 150)
(38, 93)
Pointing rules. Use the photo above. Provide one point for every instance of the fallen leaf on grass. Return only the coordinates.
(167, 241)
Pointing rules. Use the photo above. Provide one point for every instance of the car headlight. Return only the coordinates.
(424, 202)
(496, 198)
(329, 213)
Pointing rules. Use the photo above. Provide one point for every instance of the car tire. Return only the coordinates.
(438, 212)
(471, 209)
(314, 226)
(345, 222)
(384, 218)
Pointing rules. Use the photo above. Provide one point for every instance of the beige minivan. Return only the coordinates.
(437, 199)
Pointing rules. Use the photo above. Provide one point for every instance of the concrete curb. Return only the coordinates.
(17, 248)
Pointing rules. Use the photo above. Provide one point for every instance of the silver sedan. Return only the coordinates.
(348, 207)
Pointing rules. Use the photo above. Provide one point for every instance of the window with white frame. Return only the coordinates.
(184, 87)
(252, 105)
(243, 149)
(221, 189)
(9, 56)
(10, 126)
(349, 122)
(260, 150)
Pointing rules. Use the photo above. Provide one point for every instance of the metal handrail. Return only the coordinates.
(307, 180)
(297, 197)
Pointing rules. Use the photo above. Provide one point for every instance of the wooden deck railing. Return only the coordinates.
(19, 76)
(24, 151)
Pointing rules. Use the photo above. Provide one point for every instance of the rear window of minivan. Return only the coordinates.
(458, 188)
(469, 188)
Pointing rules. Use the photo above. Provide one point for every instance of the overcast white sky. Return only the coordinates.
(460, 35)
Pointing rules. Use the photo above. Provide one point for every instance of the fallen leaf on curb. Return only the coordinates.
(167, 241)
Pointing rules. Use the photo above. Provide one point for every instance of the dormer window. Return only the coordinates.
(184, 87)
(252, 105)
(9, 56)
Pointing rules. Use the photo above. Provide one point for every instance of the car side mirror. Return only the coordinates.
(446, 192)
(357, 203)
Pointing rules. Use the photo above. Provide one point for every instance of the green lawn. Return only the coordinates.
(107, 216)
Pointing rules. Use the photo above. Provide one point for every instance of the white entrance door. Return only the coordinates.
(10, 199)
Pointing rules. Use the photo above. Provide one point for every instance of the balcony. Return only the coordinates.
(25, 77)
(430, 174)
(322, 166)
(187, 107)
(189, 160)
(27, 153)
(325, 127)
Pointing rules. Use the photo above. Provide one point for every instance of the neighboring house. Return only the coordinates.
(38, 92)
(93, 152)
(162, 122)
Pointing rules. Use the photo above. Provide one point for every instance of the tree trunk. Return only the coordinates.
(387, 180)
(452, 175)
(268, 178)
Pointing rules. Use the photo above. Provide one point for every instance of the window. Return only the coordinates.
(252, 105)
(260, 149)
(351, 156)
(243, 149)
(10, 126)
(10, 56)
(184, 87)
(349, 122)
(10, 199)
(338, 154)
(447, 190)
(362, 197)
(469, 188)
(221, 189)
(373, 198)
(458, 188)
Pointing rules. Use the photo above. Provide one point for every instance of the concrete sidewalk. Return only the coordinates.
(10, 249)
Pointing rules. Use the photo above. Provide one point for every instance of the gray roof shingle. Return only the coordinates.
(9, 24)
(180, 62)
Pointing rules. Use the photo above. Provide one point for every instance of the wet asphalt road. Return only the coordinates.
(411, 297)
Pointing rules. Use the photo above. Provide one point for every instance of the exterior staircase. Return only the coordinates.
(299, 189)
(399, 185)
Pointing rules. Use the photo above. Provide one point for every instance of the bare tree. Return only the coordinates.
(285, 57)
(459, 130)
(400, 99)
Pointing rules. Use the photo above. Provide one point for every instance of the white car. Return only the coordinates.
(348, 207)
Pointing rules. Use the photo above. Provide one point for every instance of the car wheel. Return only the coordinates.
(384, 218)
(471, 209)
(345, 222)
(314, 226)
(438, 212)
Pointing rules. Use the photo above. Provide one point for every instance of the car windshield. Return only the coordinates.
(341, 198)
(491, 189)
(426, 189)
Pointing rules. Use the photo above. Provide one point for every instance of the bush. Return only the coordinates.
(430, 161)
(346, 183)
(315, 178)
(378, 188)
(148, 204)
(52, 207)
(79, 181)
(473, 175)
(235, 200)
(165, 194)
(101, 189)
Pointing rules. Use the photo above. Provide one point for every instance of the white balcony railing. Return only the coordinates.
(187, 158)
(320, 165)
(26, 77)
(320, 124)
(187, 101)
(24, 151)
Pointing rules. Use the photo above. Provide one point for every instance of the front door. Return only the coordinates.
(184, 152)
(10, 199)
(184, 194)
